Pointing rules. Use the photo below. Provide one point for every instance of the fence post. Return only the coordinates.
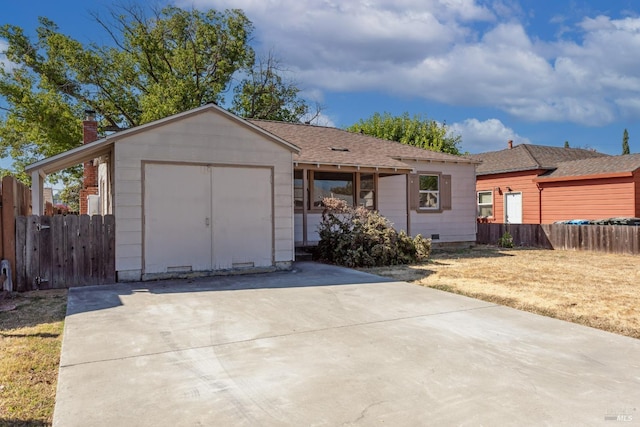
(9, 223)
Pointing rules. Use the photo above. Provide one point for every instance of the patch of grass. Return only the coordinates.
(30, 342)
(588, 288)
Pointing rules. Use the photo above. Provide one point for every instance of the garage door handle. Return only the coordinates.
(206, 221)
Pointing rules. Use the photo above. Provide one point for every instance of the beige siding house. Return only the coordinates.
(196, 192)
(206, 191)
(419, 191)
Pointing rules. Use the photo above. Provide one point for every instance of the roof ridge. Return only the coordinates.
(525, 147)
(365, 135)
(600, 158)
(294, 123)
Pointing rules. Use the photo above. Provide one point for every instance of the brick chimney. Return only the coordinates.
(90, 173)
(510, 144)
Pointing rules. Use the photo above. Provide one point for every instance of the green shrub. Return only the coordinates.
(506, 241)
(363, 238)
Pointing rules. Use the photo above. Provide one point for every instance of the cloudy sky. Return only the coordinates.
(540, 72)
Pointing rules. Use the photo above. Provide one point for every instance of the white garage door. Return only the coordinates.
(200, 218)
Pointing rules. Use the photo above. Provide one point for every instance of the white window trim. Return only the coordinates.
(478, 204)
(436, 193)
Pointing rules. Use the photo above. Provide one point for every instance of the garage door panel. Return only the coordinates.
(177, 207)
(242, 217)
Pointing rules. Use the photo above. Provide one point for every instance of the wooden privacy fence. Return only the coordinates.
(15, 200)
(63, 251)
(600, 238)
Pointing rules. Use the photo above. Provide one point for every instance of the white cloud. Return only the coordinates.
(488, 135)
(458, 52)
(4, 62)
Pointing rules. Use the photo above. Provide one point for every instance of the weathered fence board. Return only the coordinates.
(64, 251)
(600, 238)
(15, 200)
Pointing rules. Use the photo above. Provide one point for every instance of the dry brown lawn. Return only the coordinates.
(31, 326)
(593, 289)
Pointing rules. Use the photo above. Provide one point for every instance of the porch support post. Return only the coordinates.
(37, 192)
(305, 204)
(408, 204)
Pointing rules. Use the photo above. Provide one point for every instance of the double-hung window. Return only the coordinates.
(367, 191)
(298, 189)
(485, 204)
(429, 192)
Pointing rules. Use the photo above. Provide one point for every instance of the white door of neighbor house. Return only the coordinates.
(177, 217)
(513, 208)
(242, 217)
(199, 218)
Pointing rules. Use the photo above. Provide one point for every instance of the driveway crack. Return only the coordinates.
(283, 335)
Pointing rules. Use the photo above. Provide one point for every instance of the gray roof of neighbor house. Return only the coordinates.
(606, 165)
(332, 146)
(525, 157)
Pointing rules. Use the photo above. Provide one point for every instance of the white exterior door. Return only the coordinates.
(513, 208)
(242, 217)
(200, 218)
(177, 207)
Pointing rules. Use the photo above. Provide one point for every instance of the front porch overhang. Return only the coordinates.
(352, 168)
(73, 157)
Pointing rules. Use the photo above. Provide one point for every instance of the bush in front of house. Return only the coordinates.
(358, 237)
(506, 241)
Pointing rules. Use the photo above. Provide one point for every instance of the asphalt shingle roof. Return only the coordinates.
(332, 146)
(596, 166)
(529, 157)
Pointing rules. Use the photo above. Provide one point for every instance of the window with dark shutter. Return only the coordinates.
(429, 192)
(445, 192)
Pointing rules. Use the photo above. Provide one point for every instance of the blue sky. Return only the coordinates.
(534, 71)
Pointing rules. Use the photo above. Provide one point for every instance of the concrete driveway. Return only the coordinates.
(327, 346)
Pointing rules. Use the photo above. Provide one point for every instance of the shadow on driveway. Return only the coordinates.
(324, 345)
(304, 274)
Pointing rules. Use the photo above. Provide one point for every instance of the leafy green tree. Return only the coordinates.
(625, 142)
(158, 63)
(418, 131)
(70, 196)
(265, 94)
(566, 144)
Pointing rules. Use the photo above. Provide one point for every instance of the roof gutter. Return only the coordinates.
(418, 159)
(357, 167)
(583, 177)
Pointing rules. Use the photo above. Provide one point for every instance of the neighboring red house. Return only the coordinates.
(535, 184)
(598, 188)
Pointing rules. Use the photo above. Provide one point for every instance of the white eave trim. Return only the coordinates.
(463, 160)
(72, 157)
(102, 146)
(318, 165)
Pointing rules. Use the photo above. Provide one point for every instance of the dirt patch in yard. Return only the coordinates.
(589, 288)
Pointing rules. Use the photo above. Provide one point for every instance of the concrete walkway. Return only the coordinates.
(328, 346)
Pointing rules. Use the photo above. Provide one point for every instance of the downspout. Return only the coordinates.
(539, 203)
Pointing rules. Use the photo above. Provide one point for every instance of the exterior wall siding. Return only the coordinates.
(313, 220)
(459, 223)
(588, 199)
(518, 182)
(392, 200)
(206, 138)
(455, 225)
(636, 183)
(297, 228)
